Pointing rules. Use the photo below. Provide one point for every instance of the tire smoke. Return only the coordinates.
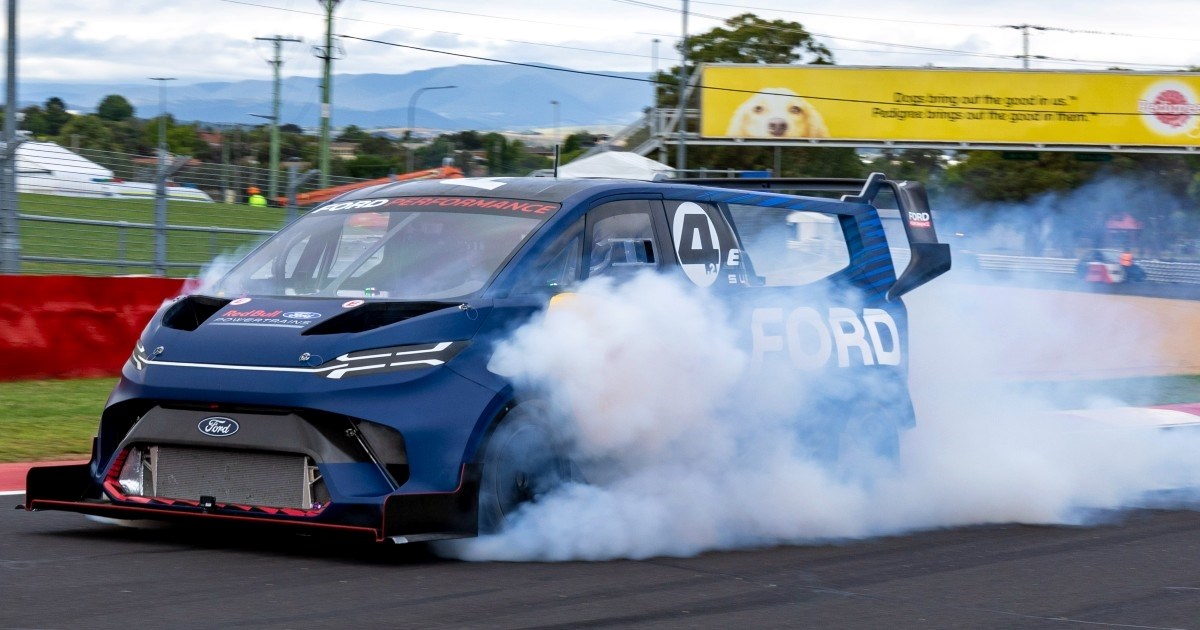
(686, 450)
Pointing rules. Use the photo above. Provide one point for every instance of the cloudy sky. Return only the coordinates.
(196, 40)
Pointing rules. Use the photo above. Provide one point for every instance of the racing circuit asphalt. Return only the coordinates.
(1133, 569)
(58, 570)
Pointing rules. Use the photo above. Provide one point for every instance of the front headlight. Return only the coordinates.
(133, 472)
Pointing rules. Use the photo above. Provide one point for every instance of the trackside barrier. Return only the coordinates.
(1000, 262)
(1183, 273)
(1156, 270)
(74, 326)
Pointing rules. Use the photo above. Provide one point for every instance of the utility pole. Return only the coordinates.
(681, 154)
(1024, 28)
(10, 237)
(325, 53)
(276, 63)
(160, 182)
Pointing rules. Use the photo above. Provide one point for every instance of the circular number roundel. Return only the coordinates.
(696, 244)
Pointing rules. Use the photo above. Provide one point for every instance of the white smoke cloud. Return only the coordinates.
(205, 282)
(680, 461)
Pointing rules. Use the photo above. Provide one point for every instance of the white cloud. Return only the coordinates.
(127, 40)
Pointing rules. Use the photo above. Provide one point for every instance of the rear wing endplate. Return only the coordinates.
(930, 258)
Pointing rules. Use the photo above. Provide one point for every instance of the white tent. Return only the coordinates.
(45, 167)
(49, 169)
(615, 164)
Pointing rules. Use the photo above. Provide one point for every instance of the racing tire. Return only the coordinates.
(525, 460)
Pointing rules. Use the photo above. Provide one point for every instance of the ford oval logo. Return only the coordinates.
(217, 426)
(301, 315)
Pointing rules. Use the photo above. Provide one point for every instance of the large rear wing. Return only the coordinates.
(930, 258)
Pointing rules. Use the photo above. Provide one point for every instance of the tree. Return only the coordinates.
(371, 166)
(56, 115)
(181, 139)
(352, 133)
(575, 145)
(115, 108)
(87, 132)
(35, 121)
(927, 166)
(986, 176)
(745, 38)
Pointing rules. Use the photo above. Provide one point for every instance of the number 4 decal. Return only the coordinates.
(697, 245)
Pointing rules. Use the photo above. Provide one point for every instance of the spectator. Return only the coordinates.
(255, 197)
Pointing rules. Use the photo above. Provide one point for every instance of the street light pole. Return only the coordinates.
(412, 118)
(274, 149)
(162, 118)
(160, 182)
(555, 105)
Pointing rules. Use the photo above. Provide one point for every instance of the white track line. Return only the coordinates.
(11, 493)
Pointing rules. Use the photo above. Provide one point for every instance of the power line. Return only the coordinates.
(846, 17)
(815, 97)
(936, 23)
(925, 49)
(922, 50)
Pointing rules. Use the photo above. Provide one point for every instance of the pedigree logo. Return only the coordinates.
(1170, 108)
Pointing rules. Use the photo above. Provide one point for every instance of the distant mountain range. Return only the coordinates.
(488, 98)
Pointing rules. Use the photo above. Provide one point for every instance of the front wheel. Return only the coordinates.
(526, 458)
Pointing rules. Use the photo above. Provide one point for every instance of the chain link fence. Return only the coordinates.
(90, 212)
(93, 212)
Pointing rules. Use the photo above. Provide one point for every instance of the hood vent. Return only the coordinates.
(191, 311)
(374, 315)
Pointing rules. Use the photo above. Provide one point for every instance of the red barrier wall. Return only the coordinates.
(72, 326)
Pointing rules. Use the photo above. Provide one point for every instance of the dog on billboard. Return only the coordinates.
(777, 113)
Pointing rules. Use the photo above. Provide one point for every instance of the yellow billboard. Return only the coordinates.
(1028, 107)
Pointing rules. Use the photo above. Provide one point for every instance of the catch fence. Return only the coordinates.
(92, 212)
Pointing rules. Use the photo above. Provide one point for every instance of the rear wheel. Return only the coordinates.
(526, 459)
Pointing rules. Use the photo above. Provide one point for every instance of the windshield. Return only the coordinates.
(403, 248)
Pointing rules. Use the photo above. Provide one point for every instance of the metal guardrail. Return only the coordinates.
(1182, 273)
(122, 261)
(92, 212)
(1156, 270)
(1002, 262)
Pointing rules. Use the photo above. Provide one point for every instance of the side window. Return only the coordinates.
(621, 237)
(791, 247)
(556, 269)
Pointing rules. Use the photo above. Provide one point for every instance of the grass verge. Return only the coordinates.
(51, 419)
(56, 419)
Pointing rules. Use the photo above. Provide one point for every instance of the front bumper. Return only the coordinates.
(393, 517)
